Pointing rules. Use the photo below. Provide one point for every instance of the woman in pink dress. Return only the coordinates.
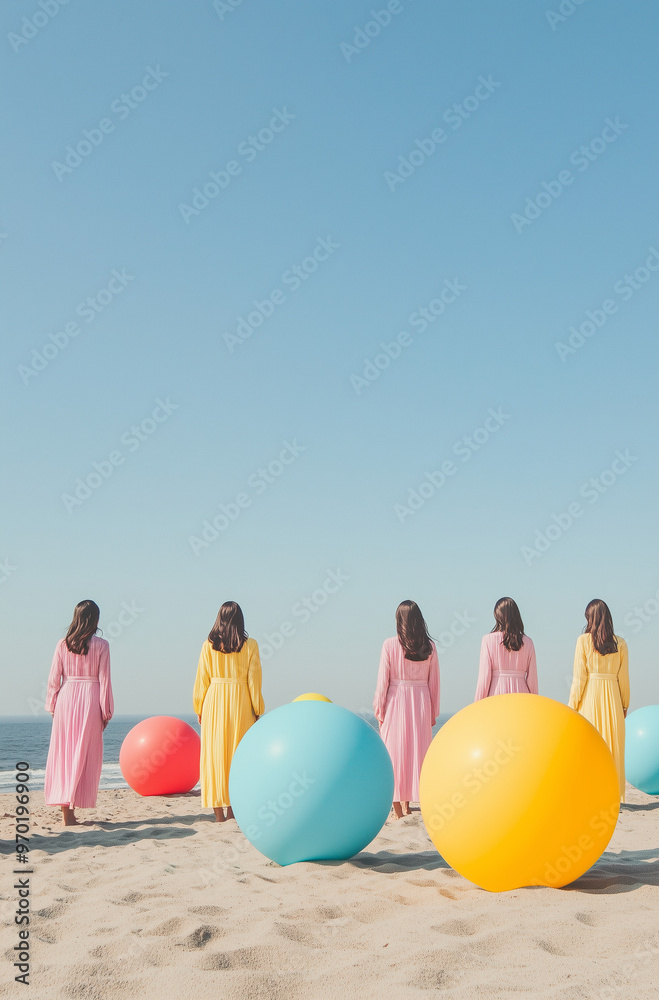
(507, 655)
(406, 701)
(80, 701)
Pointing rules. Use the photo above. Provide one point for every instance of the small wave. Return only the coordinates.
(111, 777)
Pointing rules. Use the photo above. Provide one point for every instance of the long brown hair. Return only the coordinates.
(228, 633)
(599, 624)
(509, 621)
(413, 631)
(83, 627)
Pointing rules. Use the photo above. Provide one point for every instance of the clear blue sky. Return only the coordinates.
(348, 144)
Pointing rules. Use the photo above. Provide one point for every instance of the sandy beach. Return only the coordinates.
(150, 898)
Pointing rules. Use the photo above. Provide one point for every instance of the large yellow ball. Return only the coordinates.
(519, 790)
(312, 696)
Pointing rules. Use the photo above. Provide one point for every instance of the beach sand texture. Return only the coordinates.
(153, 899)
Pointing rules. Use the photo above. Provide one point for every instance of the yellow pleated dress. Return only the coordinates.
(227, 696)
(600, 692)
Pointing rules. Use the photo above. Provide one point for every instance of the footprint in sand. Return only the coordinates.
(457, 928)
(267, 988)
(46, 937)
(586, 918)
(51, 912)
(218, 962)
(550, 948)
(327, 913)
(297, 934)
(97, 982)
(201, 936)
(260, 958)
(131, 897)
(208, 911)
(434, 979)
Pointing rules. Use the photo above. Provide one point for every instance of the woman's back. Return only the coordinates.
(504, 660)
(406, 704)
(227, 698)
(232, 666)
(506, 671)
(600, 692)
(402, 669)
(601, 663)
(79, 664)
(79, 696)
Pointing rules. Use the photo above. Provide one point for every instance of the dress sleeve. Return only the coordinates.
(484, 671)
(54, 679)
(254, 677)
(203, 678)
(433, 684)
(382, 687)
(623, 673)
(107, 701)
(532, 670)
(579, 676)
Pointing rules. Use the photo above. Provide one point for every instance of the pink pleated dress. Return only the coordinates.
(406, 704)
(80, 698)
(505, 671)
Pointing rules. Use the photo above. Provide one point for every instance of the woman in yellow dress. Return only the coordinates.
(600, 686)
(227, 699)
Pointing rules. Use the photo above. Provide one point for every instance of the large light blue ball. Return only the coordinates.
(311, 781)
(642, 749)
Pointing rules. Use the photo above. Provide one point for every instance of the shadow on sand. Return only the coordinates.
(621, 872)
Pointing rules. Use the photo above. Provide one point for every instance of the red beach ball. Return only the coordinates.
(160, 756)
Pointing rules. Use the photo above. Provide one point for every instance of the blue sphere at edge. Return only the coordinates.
(642, 749)
(311, 781)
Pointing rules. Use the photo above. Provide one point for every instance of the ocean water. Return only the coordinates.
(26, 738)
